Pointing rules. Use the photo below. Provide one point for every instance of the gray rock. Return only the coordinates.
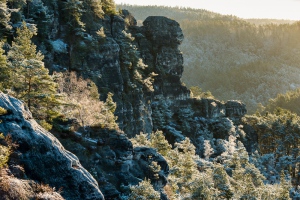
(43, 156)
(163, 31)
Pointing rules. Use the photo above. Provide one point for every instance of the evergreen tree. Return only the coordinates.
(110, 107)
(141, 140)
(4, 70)
(221, 182)
(16, 4)
(40, 13)
(109, 7)
(4, 19)
(96, 6)
(74, 10)
(159, 142)
(183, 168)
(31, 80)
(144, 191)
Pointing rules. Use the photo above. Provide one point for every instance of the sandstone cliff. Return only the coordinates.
(142, 66)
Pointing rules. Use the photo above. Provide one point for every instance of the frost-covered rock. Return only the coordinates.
(43, 156)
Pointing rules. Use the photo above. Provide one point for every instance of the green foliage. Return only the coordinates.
(193, 178)
(4, 19)
(45, 125)
(158, 141)
(109, 103)
(4, 156)
(197, 92)
(140, 140)
(109, 7)
(5, 71)
(2, 111)
(155, 169)
(290, 101)
(42, 16)
(221, 182)
(132, 62)
(31, 81)
(16, 4)
(73, 12)
(96, 6)
(144, 191)
(101, 34)
(279, 134)
(5, 150)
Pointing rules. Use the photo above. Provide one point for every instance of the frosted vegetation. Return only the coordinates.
(234, 59)
(231, 175)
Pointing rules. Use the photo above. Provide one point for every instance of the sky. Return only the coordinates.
(273, 9)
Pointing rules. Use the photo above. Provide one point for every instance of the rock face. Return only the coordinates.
(115, 164)
(43, 156)
(163, 31)
(142, 66)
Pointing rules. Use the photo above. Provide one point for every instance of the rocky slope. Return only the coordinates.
(112, 160)
(43, 156)
(142, 66)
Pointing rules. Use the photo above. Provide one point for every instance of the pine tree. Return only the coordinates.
(222, 183)
(159, 142)
(109, 7)
(96, 6)
(183, 168)
(141, 140)
(4, 19)
(144, 191)
(110, 107)
(4, 70)
(74, 10)
(16, 4)
(31, 80)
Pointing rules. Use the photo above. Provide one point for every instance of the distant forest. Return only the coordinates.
(251, 60)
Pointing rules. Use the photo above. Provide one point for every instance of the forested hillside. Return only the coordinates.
(79, 76)
(250, 60)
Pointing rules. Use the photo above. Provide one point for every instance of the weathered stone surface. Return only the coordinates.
(163, 31)
(43, 156)
(116, 164)
(235, 109)
(109, 62)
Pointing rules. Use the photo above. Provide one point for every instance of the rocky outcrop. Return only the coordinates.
(114, 163)
(159, 49)
(162, 31)
(122, 58)
(113, 62)
(44, 158)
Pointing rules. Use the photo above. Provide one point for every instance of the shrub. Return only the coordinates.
(3, 111)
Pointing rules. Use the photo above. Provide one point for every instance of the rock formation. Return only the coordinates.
(111, 158)
(43, 156)
(142, 66)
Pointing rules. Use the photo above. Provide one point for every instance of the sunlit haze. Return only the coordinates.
(275, 9)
